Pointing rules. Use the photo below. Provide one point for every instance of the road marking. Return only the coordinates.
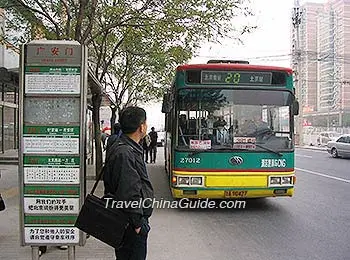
(323, 175)
(301, 155)
(313, 150)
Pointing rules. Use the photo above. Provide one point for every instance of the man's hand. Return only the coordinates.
(137, 230)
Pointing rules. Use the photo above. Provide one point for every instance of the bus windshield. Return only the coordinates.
(218, 118)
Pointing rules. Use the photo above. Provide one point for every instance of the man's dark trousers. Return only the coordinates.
(145, 152)
(134, 245)
(153, 153)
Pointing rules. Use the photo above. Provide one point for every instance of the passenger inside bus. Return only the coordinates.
(220, 131)
(254, 127)
(183, 130)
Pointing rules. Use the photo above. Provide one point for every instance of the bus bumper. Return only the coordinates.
(232, 193)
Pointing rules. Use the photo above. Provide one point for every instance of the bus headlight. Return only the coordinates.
(278, 181)
(183, 180)
(286, 180)
(275, 180)
(196, 180)
(187, 181)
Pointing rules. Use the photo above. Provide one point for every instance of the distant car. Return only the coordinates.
(161, 139)
(324, 137)
(340, 147)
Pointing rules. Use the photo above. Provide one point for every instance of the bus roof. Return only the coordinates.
(232, 66)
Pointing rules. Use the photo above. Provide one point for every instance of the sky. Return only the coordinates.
(269, 44)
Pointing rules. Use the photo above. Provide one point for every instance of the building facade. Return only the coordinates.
(325, 62)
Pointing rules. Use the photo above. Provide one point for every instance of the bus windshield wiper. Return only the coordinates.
(268, 149)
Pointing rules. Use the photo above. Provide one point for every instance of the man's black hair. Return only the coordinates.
(131, 118)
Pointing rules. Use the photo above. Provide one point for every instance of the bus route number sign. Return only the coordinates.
(236, 77)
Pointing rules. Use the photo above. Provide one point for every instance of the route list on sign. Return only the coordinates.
(51, 169)
(51, 140)
(51, 145)
(58, 80)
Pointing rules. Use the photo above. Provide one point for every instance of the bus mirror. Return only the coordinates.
(166, 106)
(295, 108)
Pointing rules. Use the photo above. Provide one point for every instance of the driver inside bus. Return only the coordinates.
(255, 127)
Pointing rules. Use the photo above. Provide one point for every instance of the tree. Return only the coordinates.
(156, 35)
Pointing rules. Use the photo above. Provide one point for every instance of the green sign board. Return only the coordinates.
(49, 220)
(52, 190)
(72, 131)
(52, 70)
(51, 161)
(236, 77)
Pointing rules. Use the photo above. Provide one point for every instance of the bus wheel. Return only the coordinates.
(334, 153)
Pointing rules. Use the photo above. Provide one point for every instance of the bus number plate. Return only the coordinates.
(235, 193)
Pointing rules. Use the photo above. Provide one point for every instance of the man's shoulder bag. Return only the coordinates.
(106, 224)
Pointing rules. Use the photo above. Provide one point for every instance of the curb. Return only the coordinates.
(312, 148)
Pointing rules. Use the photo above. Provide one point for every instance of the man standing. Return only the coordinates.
(153, 146)
(145, 144)
(126, 177)
(117, 132)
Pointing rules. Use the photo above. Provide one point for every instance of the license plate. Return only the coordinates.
(235, 193)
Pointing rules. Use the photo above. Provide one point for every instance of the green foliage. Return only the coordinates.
(134, 45)
(138, 43)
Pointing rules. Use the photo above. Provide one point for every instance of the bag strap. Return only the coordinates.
(99, 177)
(98, 180)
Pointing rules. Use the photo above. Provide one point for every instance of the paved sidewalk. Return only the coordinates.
(10, 248)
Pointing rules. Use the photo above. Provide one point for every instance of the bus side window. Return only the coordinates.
(183, 131)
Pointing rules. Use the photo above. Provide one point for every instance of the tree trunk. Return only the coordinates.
(113, 118)
(96, 103)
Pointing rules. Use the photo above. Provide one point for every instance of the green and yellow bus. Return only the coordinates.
(230, 131)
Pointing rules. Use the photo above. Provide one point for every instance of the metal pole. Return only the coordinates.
(35, 253)
(71, 252)
(296, 23)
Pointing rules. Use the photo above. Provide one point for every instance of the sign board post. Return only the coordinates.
(53, 90)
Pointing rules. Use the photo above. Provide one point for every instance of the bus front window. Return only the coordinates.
(234, 118)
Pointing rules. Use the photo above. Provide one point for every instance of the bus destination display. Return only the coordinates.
(236, 77)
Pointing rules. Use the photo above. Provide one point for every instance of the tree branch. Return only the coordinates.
(69, 17)
(115, 25)
(18, 4)
(112, 57)
(80, 18)
(46, 14)
(91, 17)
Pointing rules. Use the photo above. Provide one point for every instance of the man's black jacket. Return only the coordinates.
(125, 176)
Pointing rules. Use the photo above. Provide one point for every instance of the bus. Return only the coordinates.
(230, 131)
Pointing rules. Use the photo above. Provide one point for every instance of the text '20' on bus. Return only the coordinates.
(230, 131)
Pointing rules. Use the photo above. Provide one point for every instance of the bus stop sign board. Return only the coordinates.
(52, 134)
